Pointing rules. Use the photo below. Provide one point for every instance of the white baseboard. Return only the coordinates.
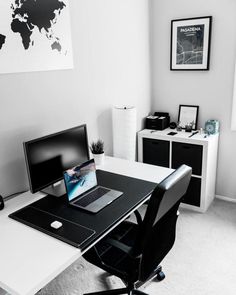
(226, 199)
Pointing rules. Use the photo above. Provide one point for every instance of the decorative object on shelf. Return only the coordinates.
(124, 121)
(190, 43)
(97, 149)
(173, 125)
(188, 114)
(1, 203)
(159, 121)
(193, 133)
(178, 127)
(212, 126)
(189, 127)
(163, 120)
(151, 122)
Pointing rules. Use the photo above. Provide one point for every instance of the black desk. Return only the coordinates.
(82, 229)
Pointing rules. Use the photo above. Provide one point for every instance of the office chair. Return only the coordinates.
(133, 251)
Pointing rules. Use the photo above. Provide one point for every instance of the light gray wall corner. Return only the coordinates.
(212, 90)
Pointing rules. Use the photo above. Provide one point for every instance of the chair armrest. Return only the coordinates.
(121, 246)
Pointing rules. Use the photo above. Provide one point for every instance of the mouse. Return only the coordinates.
(1, 203)
(56, 224)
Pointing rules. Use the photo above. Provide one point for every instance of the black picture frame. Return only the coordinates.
(190, 44)
(188, 114)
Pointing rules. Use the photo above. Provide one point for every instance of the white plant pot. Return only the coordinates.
(98, 159)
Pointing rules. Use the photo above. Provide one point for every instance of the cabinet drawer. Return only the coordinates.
(189, 154)
(156, 152)
(193, 194)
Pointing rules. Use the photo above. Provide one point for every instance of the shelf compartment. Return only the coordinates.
(193, 194)
(156, 152)
(189, 154)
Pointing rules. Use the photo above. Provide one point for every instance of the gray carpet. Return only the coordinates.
(202, 261)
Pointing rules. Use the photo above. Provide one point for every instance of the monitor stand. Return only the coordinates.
(57, 189)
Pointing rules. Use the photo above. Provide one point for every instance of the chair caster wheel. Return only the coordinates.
(160, 276)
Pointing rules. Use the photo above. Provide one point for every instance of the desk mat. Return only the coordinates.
(70, 232)
(82, 228)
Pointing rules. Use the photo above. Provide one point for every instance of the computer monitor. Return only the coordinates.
(49, 156)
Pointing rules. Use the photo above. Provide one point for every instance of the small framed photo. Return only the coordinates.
(190, 44)
(188, 115)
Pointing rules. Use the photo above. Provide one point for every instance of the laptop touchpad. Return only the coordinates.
(101, 202)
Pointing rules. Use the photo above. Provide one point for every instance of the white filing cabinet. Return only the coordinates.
(198, 151)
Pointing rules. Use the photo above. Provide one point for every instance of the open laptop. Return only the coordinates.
(83, 191)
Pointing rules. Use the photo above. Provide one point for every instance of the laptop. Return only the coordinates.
(83, 190)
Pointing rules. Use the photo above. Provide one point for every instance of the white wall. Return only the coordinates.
(211, 90)
(111, 66)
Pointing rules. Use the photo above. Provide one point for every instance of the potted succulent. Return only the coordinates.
(97, 149)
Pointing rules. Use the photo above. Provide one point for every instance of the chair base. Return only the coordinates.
(160, 276)
(118, 292)
(130, 290)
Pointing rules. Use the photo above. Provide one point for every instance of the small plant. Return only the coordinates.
(97, 147)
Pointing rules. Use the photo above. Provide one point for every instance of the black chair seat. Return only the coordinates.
(125, 266)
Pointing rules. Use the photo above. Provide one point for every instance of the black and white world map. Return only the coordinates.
(36, 33)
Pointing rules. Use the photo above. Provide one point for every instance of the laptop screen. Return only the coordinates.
(80, 179)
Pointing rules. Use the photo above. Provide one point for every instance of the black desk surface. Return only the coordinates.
(41, 213)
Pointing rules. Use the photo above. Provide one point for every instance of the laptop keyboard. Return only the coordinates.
(92, 196)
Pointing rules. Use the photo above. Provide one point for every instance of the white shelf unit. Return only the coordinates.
(198, 151)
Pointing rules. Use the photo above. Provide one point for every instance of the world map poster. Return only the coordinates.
(35, 35)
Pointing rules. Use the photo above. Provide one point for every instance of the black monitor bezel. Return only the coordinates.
(28, 168)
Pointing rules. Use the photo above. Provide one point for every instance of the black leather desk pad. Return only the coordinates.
(80, 223)
(71, 233)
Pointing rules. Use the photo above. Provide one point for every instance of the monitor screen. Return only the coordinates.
(49, 156)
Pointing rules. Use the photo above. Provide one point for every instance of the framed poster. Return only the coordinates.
(188, 114)
(190, 43)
